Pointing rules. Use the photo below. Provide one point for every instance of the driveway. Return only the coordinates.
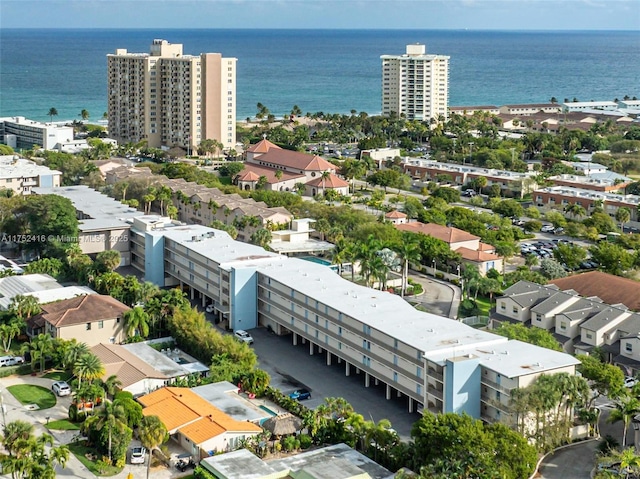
(575, 462)
(74, 468)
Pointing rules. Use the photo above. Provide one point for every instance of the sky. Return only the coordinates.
(328, 14)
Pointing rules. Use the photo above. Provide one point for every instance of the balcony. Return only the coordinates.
(496, 386)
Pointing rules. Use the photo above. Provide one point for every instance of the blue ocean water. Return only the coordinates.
(334, 71)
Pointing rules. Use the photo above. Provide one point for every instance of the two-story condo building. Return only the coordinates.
(21, 176)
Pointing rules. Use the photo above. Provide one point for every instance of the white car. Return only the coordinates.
(630, 381)
(61, 388)
(138, 454)
(210, 308)
(243, 336)
(547, 229)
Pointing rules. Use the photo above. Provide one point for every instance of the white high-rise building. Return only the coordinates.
(171, 99)
(415, 85)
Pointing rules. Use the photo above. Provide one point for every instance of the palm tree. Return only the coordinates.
(111, 385)
(25, 306)
(84, 114)
(625, 409)
(89, 367)
(40, 347)
(52, 112)
(136, 322)
(575, 210)
(409, 252)
(623, 215)
(73, 350)
(8, 331)
(113, 417)
(325, 176)
(152, 433)
(14, 432)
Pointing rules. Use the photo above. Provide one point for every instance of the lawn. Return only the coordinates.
(58, 375)
(81, 451)
(483, 305)
(30, 394)
(63, 425)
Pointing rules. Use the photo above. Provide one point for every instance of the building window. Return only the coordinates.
(366, 345)
(88, 327)
(100, 324)
(395, 377)
(589, 335)
(563, 325)
(538, 317)
(366, 329)
(395, 360)
(503, 305)
(340, 331)
(515, 310)
(419, 389)
(628, 347)
(419, 372)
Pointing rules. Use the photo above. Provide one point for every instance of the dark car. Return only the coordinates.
(300, 394)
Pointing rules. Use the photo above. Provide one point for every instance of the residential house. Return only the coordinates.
(470, 248)
(194, 423)
(396, 217)
(90, 319)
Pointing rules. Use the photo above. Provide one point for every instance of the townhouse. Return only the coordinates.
(579, 323)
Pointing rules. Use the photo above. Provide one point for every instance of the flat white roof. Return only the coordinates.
(512, 358)
(386, 312)
(590, 194)
(11, 166)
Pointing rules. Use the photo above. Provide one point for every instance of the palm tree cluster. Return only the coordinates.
(28, 455)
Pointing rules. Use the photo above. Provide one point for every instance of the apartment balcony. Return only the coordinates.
(496, 386)
(434, 392)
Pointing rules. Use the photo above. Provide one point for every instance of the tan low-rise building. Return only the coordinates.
(90, 319)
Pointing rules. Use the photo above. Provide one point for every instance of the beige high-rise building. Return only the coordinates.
(171, 99)
(415, 85)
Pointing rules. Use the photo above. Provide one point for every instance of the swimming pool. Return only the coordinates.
(315, 259)
(265, 408)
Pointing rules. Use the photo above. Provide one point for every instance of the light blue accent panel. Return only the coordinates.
(462, 386)
(244, 298)
(46, 181)
(154, 259)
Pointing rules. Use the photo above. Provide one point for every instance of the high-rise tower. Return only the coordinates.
(415, 85)
(171, 99)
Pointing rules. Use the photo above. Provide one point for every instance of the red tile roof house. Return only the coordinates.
(473, 251)
(90, 319)
(265, 158)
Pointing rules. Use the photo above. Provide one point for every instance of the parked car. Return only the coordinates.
(300, 394)
(243, 336)
(61, 388)
(547, 229)
(558, 231)
(210, 308)
(469, 193)
(630, 381)
(138, 455)
(11, 361)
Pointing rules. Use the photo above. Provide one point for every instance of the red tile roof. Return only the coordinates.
(444, 233)
(476, 256)
(331, 182)
(255, 171)
(294, 159)
(262, 147)
(609, 288)
(395, 214)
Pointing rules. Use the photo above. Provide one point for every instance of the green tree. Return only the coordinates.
(39, 347)
(409, 252)
(8, 331)
(612, 258)
(551, 269)
(107, 260)
(24, 307)
(570, 255)
(152, 434)
(72, 351)
(136, 322)
(89, 367)
(30, 456)
(626, 408)
(110, 417)
(509, 208)
(261, 237)
(52, 112)
(539, 337)
(623, 215)
(605, 379)
(84, 114)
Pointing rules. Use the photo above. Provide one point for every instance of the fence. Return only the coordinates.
(475, 320)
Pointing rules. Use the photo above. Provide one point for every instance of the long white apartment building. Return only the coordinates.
(171, 99)
(415, 84)
(21, 133)
(435, 363)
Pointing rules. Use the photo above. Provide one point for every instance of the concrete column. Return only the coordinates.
(357, 370)
(311, 348)
(193, 295)
(367, 380)
(399, 393)
(376, 381)
(410, 405)
(295, 339)
(328, 358)
(347, 369)
(339, 360)
(388, 392)
(203, 303)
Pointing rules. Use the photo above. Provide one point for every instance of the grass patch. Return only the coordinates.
(81, 451)
(58, 375)
(63, 425)
(483, 305)
(225, 180)
(30, 394)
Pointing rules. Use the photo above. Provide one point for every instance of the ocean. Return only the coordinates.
(333, 71)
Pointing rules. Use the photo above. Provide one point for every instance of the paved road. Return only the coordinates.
(575, 462)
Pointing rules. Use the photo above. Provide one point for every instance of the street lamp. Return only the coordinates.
(471, 152)
(434, 267)
(458, 270)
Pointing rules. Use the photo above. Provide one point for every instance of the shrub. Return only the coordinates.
(201, 473)
(305, 441)
(289, 443)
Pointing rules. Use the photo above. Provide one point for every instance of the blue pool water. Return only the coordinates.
(315, 259)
